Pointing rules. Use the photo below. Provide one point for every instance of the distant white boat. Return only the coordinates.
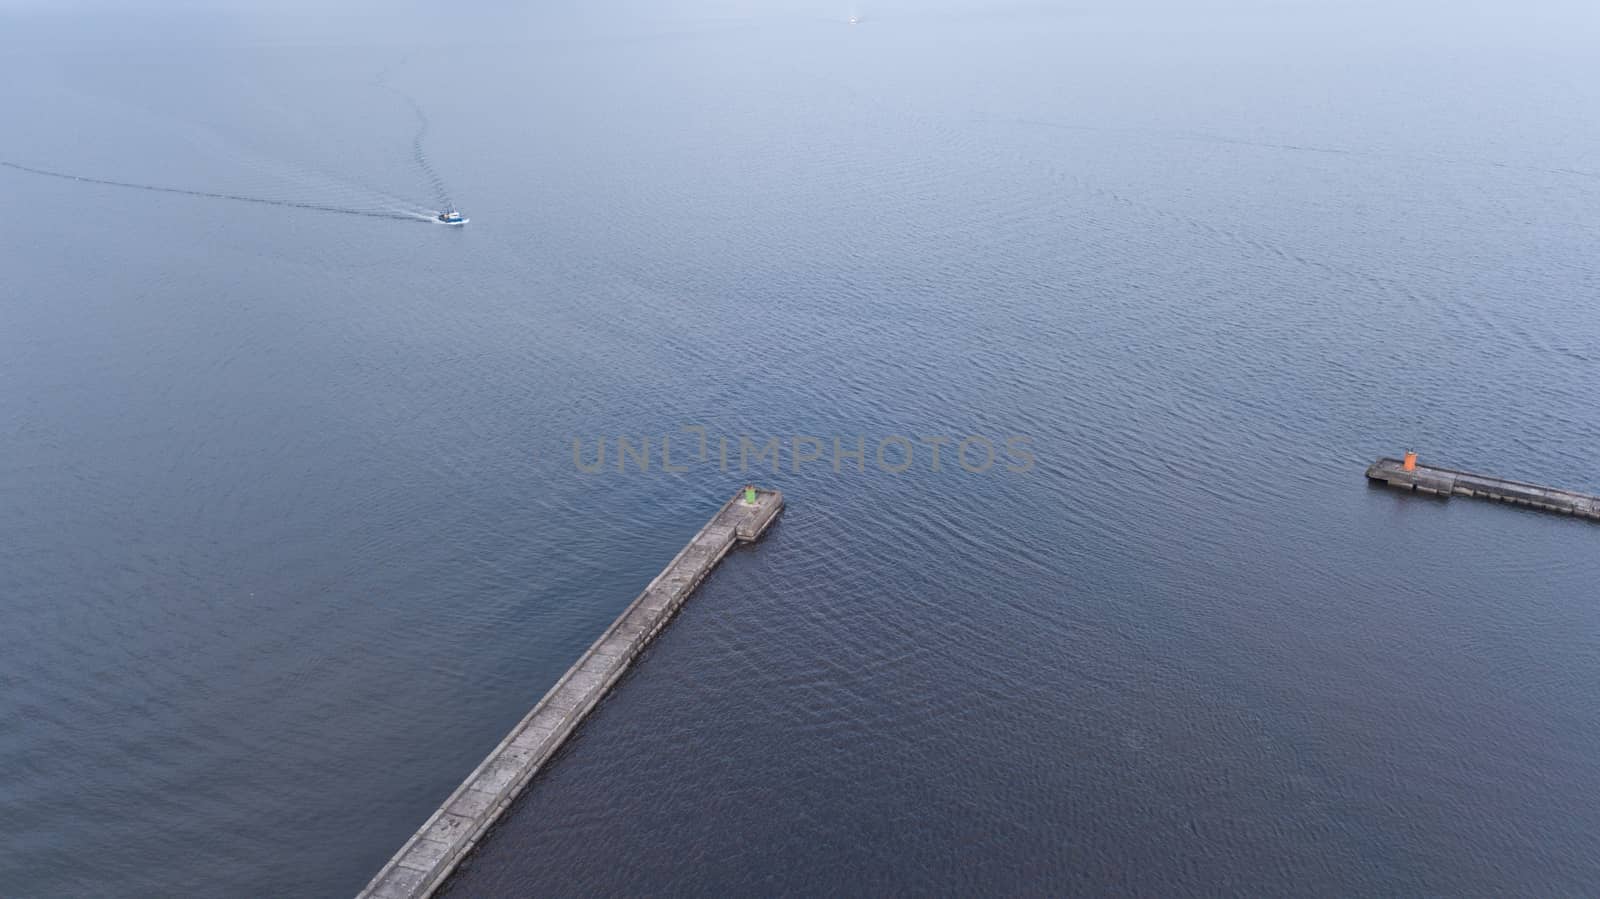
(450, 217)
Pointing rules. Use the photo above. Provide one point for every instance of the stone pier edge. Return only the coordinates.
(427, 859)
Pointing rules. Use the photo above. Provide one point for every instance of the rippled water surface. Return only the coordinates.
(291, 531)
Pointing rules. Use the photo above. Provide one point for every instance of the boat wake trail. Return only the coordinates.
(212, 195)
(441, 194)
(439, 191)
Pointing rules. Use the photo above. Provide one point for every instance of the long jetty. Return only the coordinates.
(1407, 474)
(425, 861)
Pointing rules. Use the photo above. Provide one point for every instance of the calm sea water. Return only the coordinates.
(291, 532)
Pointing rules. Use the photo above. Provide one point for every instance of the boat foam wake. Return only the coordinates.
(402, 215)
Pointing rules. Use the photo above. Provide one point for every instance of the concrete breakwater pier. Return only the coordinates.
(449, 834)
(1407, 474)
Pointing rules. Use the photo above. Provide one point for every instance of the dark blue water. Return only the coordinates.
(291, 532)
